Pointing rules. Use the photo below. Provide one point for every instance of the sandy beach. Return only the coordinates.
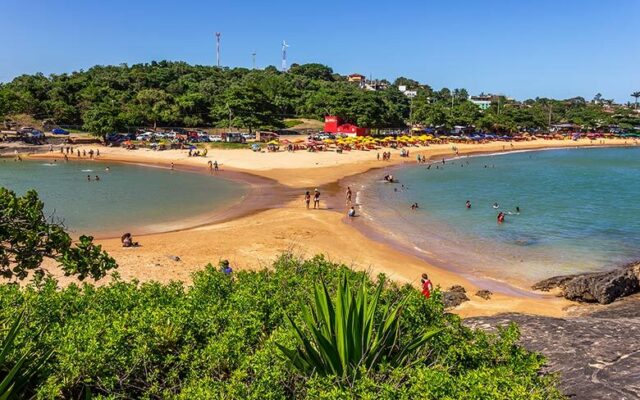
(252, 237)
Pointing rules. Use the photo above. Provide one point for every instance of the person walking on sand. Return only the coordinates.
(348, 195)
(316, 199)
(427, 286)
(215, 166)
(307, 198)
(210, 164)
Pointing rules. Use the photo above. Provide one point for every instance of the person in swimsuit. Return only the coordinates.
(468, 204)
(348, 195)
(316, 199)
(307, 198)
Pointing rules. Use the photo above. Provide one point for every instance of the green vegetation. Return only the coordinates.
(290, 123)
(219, 339)
(27, 238)
(104, 99)
(16, 376)
(342, 338)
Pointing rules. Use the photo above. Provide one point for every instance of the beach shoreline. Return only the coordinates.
(255, 238)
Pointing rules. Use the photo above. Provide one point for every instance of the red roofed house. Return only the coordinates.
(333, 124)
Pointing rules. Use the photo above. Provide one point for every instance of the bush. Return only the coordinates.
(218, 339)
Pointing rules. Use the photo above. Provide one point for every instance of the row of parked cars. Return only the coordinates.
(180, 135)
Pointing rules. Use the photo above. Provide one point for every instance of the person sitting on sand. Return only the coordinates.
(427, 286)
(127, 240)
(352, 212)
(225, 268)
(307, 198)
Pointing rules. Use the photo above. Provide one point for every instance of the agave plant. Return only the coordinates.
(345, 336)
(14, 378)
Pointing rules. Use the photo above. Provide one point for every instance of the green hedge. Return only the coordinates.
(216, 340)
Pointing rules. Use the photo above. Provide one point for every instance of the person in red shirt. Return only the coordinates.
(427, 287)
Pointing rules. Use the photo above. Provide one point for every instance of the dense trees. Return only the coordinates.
(113, 98)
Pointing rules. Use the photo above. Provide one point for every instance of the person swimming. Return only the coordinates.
(500, 217)
(468, 204)
(496, 205)
(518, 209)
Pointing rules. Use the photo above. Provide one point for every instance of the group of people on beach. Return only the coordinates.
(386, 156)
(68, 150)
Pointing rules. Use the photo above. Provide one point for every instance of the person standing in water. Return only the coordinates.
(468, 204)
(215, 166)
(348, 195)
(97, 178)
(172, 165)
(500, 217)
(89, 178)
(316, 199)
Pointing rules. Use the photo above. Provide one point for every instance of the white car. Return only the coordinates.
(215, 138)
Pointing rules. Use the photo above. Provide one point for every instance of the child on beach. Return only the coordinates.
(427, 286)
(351, 213)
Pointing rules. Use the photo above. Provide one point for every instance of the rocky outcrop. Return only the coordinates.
(455, 296)
(601, 287)
(597, 356)
(484, 294)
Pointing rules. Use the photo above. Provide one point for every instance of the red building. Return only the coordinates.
(333, 124)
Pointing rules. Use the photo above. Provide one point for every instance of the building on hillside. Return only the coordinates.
(356, 78)
(334, 124)
(407, 92)
(482, 101)
(375, 85)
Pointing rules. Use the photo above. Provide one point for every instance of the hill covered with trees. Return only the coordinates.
(104, 99)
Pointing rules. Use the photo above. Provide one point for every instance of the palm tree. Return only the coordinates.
(636, 95)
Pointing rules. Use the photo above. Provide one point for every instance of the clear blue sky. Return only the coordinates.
(560, 48)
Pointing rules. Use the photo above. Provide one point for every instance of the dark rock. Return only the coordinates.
(485, 294)
(597, 355)
(601, 287)
(454, 296)
(552, 283)
(457, 289)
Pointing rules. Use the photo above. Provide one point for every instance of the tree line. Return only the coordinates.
(105, 99)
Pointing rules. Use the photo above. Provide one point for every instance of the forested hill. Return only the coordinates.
(112, 98)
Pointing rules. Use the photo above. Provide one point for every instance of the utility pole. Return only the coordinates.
(218, 49)
(550, 107)
(253, 57)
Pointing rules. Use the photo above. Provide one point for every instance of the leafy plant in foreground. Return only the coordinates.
(344, 336)
(27, 238)
(14, 378)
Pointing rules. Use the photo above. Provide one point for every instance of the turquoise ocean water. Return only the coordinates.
(579, 211)
(126, 198)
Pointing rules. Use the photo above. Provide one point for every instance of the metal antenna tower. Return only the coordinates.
(284, 56)
(218, 49)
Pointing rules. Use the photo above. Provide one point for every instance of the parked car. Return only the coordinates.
(215, 138)
(59, 131)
